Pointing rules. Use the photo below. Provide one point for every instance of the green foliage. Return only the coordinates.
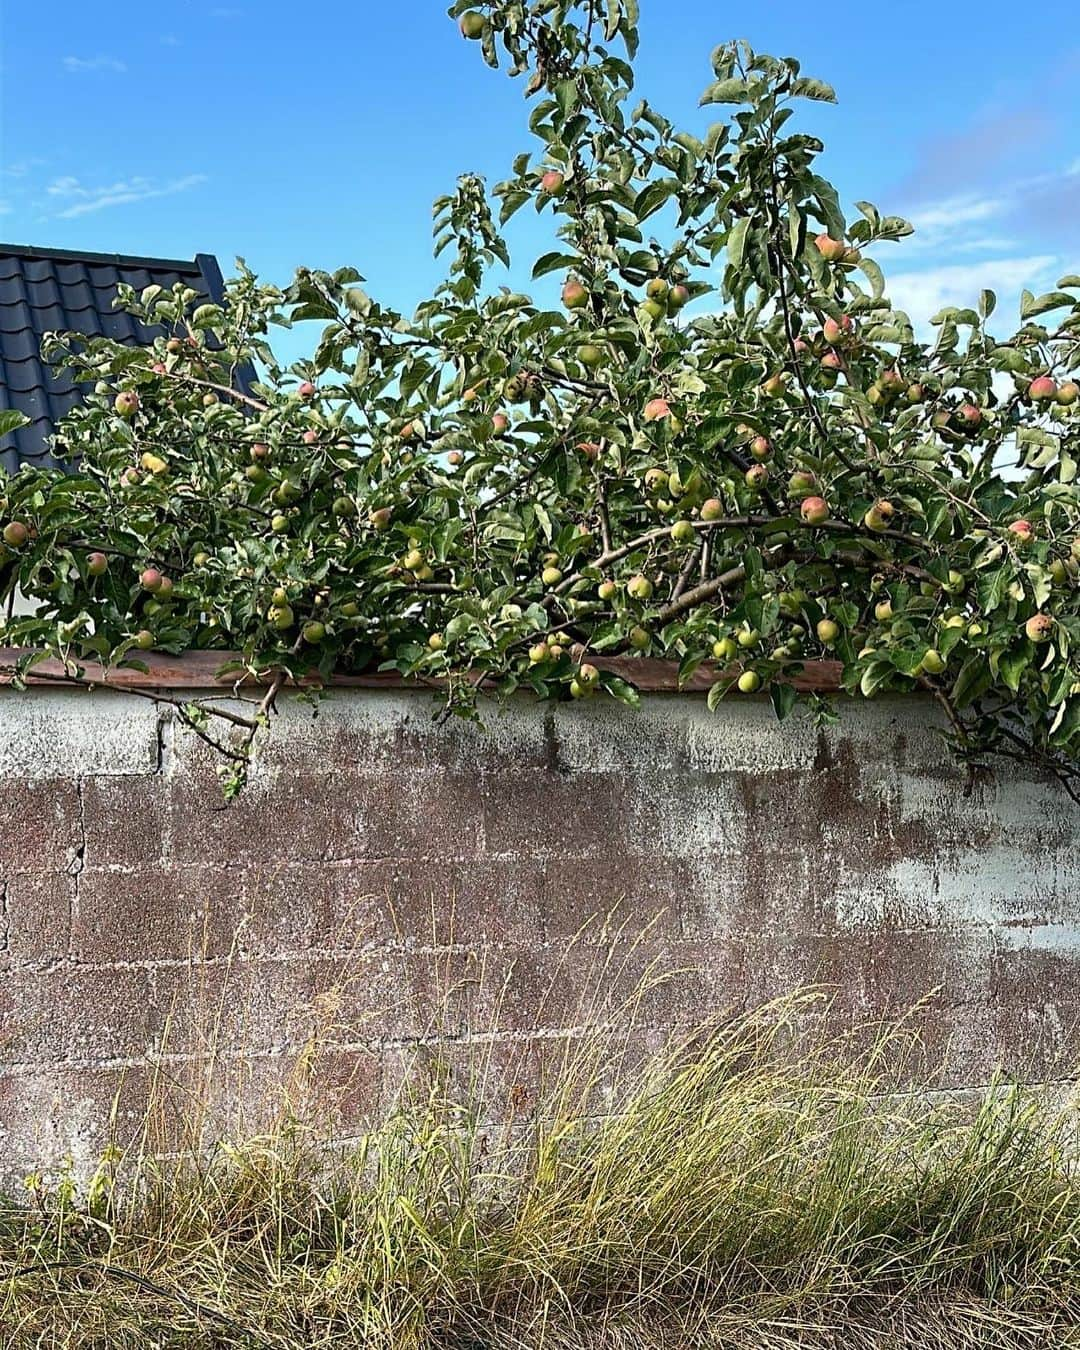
(474, 493)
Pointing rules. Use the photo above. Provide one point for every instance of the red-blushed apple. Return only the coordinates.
(712, 509)
(552, 182)
(1039, 627)
(656, 410)
(832, 250)
(775, 386)
(1042, 389)
(832, 361)
(126, 403)
(756, 476)
(159, 368)
(259, 451)
(574, 294)
(1022, 532)
(379, 519)
(761, 448)
(800, 346)
(306, 389)
(969, 417)
(310, 436)
(835, 330)
(814, 510)
(454, 458)
(606, 590)
(164, 588)
(150, 579)
(16, 534)
(500, 424)
(97, 564)
(677, 297)
(590, 449)
(1067, 393)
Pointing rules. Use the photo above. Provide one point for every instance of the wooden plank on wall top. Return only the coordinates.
(202, 670)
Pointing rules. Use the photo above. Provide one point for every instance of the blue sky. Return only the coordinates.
(320, 134)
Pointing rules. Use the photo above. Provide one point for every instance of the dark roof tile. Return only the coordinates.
(43, 291)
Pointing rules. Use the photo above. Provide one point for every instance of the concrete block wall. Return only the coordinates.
(384, 878)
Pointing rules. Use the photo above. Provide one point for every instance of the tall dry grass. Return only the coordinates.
(754, 1184)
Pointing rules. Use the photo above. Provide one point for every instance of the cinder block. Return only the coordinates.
(126, 820)
(157, 914)
(550, 815)
(40, 824)
(596, 899)
(37, 907)
(233, 1008)
(67, 733)
(74, 1014)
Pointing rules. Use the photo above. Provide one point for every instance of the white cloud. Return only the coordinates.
(955, 211)
(78, 64)
(82, 200)
(923, 293)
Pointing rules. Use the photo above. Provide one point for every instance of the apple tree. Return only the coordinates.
(724, 446)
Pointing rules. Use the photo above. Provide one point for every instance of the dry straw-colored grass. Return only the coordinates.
(754, 1186)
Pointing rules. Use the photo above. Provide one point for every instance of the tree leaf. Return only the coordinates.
(10, 421)
(726, 91)
(784, 697)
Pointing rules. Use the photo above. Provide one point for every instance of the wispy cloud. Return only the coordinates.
(76, 199)
(922, 293)
(82, 64)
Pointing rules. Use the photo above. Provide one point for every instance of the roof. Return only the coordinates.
(57, 290)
